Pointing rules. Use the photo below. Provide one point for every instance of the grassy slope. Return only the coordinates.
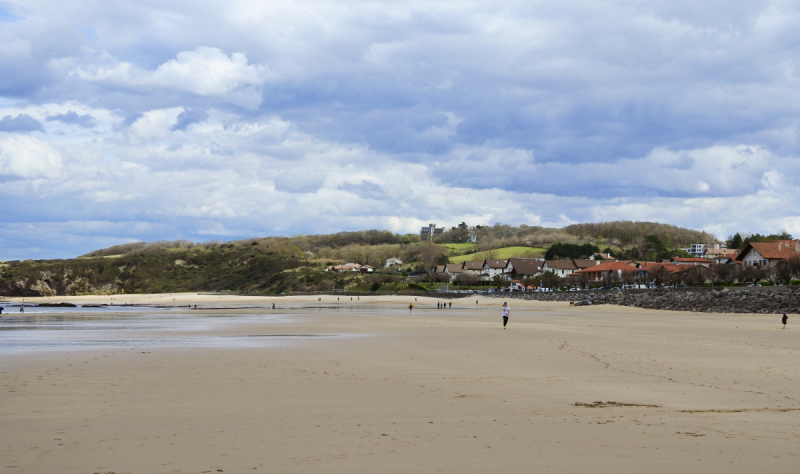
(504, 253)
(238, 269)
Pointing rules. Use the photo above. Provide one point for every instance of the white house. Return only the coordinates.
(494, 267)
(601, 256)
(347, 267)
(393, 261)
(562, 268)
(768, 253)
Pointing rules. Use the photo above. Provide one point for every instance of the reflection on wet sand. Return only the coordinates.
(120, 328)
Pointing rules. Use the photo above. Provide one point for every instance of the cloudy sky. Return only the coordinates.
(150, 120)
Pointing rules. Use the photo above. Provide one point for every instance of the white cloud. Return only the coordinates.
(204, 71)
(156, 123)
(208, 71)
(28, 157)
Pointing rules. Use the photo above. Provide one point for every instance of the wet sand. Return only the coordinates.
(587, 389)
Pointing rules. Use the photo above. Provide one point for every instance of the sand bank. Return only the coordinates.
(422, 391)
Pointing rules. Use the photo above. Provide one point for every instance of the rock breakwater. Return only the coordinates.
(765, 300)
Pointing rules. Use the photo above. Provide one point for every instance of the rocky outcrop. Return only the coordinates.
(764, 300)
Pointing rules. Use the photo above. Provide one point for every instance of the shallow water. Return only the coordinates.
(13, 308)
(27, 332)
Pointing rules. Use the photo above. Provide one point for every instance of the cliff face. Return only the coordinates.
(164, 271)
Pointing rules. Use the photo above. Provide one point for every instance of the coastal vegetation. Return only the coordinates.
(300, 263)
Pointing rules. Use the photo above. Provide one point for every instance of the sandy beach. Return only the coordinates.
(370, 386)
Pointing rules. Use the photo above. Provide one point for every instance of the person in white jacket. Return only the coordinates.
(506, 312)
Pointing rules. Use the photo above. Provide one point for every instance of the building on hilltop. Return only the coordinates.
(430, 232)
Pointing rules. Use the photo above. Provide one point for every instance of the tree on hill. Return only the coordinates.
(735, 242)
(633, 233)
(655, 250)
(569, 251)
(758, 238)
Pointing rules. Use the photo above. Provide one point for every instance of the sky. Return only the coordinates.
(161, 120)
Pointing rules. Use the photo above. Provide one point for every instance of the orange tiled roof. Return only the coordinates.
(772, 250)
(605, 266)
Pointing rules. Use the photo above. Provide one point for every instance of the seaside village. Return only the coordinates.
(709, 264)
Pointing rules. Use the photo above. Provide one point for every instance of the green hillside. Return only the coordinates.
(503, 253)
(298, 263)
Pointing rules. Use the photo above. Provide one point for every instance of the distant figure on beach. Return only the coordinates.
(451, 304)
(273, 305)
(1, 309)
(22, 308)
(476, 301)
(506, 312)
(785, 319)
(438, 305)
(410, 306)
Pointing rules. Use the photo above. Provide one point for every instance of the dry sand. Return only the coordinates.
(422, 391)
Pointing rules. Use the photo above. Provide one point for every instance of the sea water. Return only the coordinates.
(119, 327)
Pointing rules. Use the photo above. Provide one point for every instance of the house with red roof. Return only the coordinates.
(603, 269)
(762, 254)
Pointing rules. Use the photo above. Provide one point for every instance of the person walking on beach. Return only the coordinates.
(273, 305)
(410, 306)
(785, 319)
(22, 308)
(451, 305)
(506, 312)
